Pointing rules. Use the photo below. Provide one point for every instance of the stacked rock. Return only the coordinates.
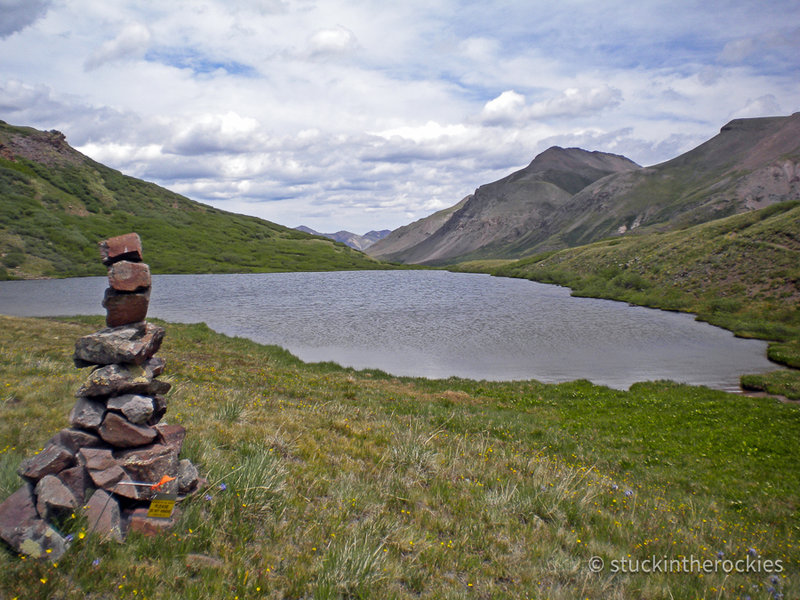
(116, 452)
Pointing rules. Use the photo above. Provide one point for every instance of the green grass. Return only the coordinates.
(357, 484)
(53, 213)
(741, 273)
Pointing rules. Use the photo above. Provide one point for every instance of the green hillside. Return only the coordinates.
(56, 204)
(741, 272)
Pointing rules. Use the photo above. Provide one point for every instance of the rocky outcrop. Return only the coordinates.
(116, 454)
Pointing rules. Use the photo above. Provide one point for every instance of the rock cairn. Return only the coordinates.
(115, 450)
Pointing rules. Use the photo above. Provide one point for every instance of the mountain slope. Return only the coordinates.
(359, 242)
(563, 200)
(56, 203)
(394, 245)
(750, 164)
(502, 212)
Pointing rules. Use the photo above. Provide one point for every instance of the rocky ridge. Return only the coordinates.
(116, 455)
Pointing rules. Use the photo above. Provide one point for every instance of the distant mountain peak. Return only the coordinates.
(570, 196)
(359, 242)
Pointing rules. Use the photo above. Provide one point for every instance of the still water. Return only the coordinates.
(431, 324)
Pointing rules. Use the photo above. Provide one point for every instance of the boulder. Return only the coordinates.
(122, 247)
(17, 512)
(134, 343)
(53, 459)
(126, 276)
(42, 542)
(150, 464)
(137, 409)
(53, 498)
(120, 379)
(23, 530)
(87, 413)
(103, 516)
(77, 480)
(124, 308)
(188, 476)
(121, 433)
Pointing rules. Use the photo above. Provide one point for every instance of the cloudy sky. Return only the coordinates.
(367, 114)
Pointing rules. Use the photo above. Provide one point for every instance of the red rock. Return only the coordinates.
(103, 516)
(126, 276)
(77, 480)
(96, 459)
(149, 526)
(172, 436)
(53, 498)
(123, 308)
(121, 247)
(121, 433)
(17, 512)
(75, 439)
(53, 459)
(150, 464)
(107, 479)
(23, 530)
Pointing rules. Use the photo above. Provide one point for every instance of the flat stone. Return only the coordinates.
(53, 498)
(75, 439)
(133, 343)
(120, 379)
(77, 480)
(107, 479)
(96, 459)
(171, 435)
(126, 276)
(123, 308)
(87, 413)
(149, 526)
(53, 459)
(121, 433)
(103, 516)
(137, 409)
(122, 247)
(187, 476)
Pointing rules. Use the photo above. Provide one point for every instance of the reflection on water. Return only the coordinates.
(431, 324)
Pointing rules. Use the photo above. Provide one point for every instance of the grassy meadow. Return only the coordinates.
(325, 482)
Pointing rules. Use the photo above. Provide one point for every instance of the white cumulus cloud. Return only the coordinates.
(130, 42)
